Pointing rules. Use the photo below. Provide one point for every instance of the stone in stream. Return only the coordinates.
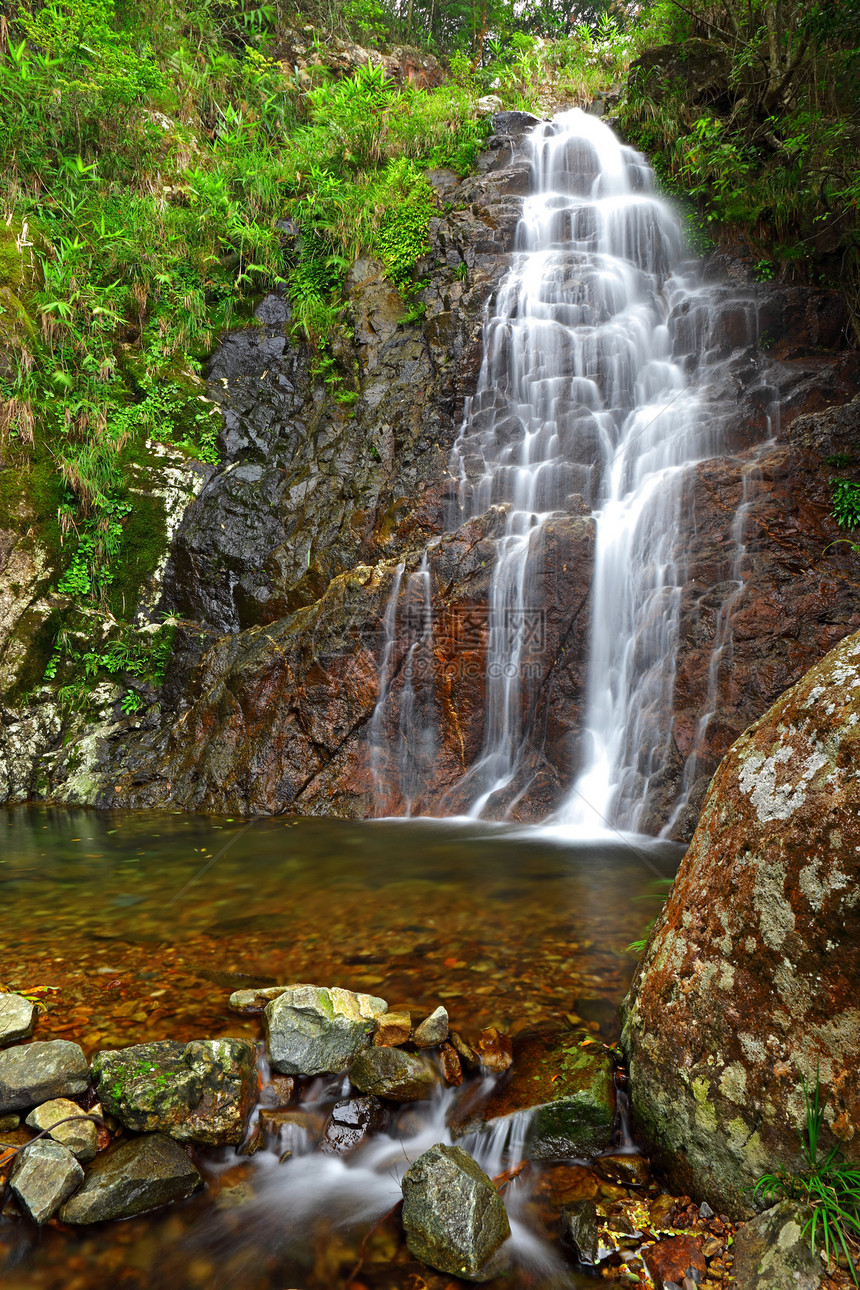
(44, 1175)
(433, 1030)
(495, 1051)
(748, 985)
(579, 1230)
(78, 1133)
(17, 1018)
(203, 1091)
(774, 1250)
(314, 1030)
(673, 1259)
(253, 1001)
(34, 1073)
(454, 1218)
(351, 1122)
(393, 1074)
(392, 1029)
(566, 1090)
(132, 1178)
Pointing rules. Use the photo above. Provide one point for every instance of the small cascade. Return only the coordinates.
(600, 391)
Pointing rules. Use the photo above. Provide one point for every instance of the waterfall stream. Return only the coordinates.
(593, 399)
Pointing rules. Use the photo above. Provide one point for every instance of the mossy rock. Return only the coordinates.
(569, 1091)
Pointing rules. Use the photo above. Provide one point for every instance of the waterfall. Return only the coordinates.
(593, 397)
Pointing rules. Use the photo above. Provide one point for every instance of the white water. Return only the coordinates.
(592, 397)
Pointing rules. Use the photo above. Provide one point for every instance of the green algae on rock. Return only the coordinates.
(748, 986)
(202, 1092)
(568, 1092)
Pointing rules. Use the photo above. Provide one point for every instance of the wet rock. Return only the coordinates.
(45, 1174)
(352, 1120)
(774, 1250)
(433, 1030)
(568, 1092)
(17, 1018)
(579, 1230)
(495, 1051)
(672, 1260)
(313, 1030)
(253, 1001)
(9, 1122)
(392, 1029)
(454, 1218)
(79, 1134)
(203, 1091)
(630, 1170)
(452, 1070)
(747, 988)
(278, 1091)
(394, 1074)
(467, 1054)
(514, 122)
(132, 1178)
(34, 1073)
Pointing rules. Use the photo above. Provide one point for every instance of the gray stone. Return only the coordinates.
(774, 1250)
(489, 104)
(352, 1121)
(313, 1030)
(514, 122)
(133, 1178)
(250, 1001)
(79, 1134)
(579, 1230)
(454, 1218)
(203, 1091)
(17, 1018)
(433, 1030)
(34, 1073)
(45, 1174)
(394, 1074)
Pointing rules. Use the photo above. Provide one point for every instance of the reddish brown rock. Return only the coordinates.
(748, 987)
(672, 1259)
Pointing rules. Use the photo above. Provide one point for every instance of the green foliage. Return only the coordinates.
(136, 656)
(846, 503)
(830, 1185)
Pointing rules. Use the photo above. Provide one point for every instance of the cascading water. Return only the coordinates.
(592, 397)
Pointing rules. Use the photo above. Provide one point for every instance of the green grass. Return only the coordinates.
(829, 1185)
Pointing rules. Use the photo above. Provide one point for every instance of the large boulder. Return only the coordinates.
(132, 1178)
(454, 1218)
(203, 1091)
(34, 1073)
(314, 1030)
(748, 987)
(393, 1074)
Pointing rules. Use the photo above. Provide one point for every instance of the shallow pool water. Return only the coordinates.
(136, 927)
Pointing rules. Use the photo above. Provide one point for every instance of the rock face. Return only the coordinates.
(308, 537)
(198, 1092)
(45, 1174)
(748, 986)
(34, 1073)
(774, 1250)
(314, 1030)
(132, 1178)
(17, 1019)
(454, 1217)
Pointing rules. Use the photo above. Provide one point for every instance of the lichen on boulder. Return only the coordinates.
(748, 986)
